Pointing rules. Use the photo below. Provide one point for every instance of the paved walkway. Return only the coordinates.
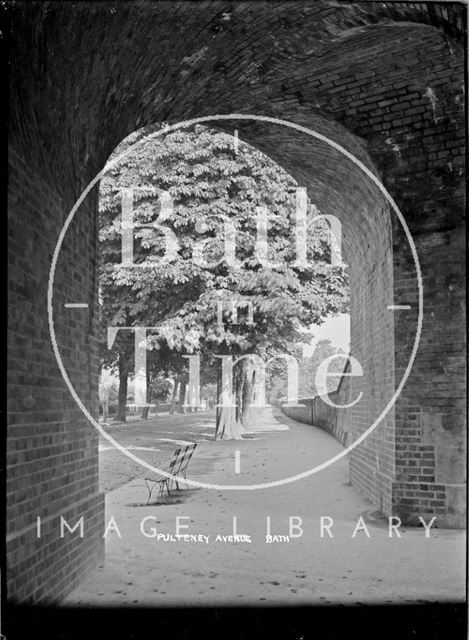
(144, 571)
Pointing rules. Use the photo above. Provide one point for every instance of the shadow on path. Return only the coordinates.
(302, 564)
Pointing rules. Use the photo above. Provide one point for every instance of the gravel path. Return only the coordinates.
(152, 440)
(306, 569)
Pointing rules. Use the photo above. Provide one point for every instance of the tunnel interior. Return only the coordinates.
(383, 80)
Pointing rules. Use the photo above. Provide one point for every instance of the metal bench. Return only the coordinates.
(177, 468)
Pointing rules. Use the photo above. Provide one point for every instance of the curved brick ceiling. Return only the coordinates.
(342, 69)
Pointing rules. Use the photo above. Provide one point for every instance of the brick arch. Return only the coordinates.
(243, 44)
(383, 79)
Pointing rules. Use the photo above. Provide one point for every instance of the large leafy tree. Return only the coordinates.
(186, 282)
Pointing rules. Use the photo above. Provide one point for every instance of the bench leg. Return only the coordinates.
(163, 484)
(172, 480)
(149, 492)
(161, 487)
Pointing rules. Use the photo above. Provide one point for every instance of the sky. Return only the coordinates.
(336, 329)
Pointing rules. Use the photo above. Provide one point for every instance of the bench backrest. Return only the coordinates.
(175, 461)
(182, 458)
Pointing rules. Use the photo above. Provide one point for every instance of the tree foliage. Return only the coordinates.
(210, 184)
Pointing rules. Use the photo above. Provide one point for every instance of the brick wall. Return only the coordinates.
(407, 103)
(52, 458)
(317, 412)
(384, 80)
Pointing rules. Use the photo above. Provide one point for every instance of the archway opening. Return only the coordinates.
(342, 190)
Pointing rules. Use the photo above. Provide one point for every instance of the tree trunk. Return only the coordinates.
(172, 406)
(228, 427)
(146, 410)
(182, 396)
(122, 398)
(246, 383)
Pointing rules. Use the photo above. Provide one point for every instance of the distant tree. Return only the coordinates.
(309, 368)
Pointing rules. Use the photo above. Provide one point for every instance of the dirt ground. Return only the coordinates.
(152, 439)
(356, 562)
